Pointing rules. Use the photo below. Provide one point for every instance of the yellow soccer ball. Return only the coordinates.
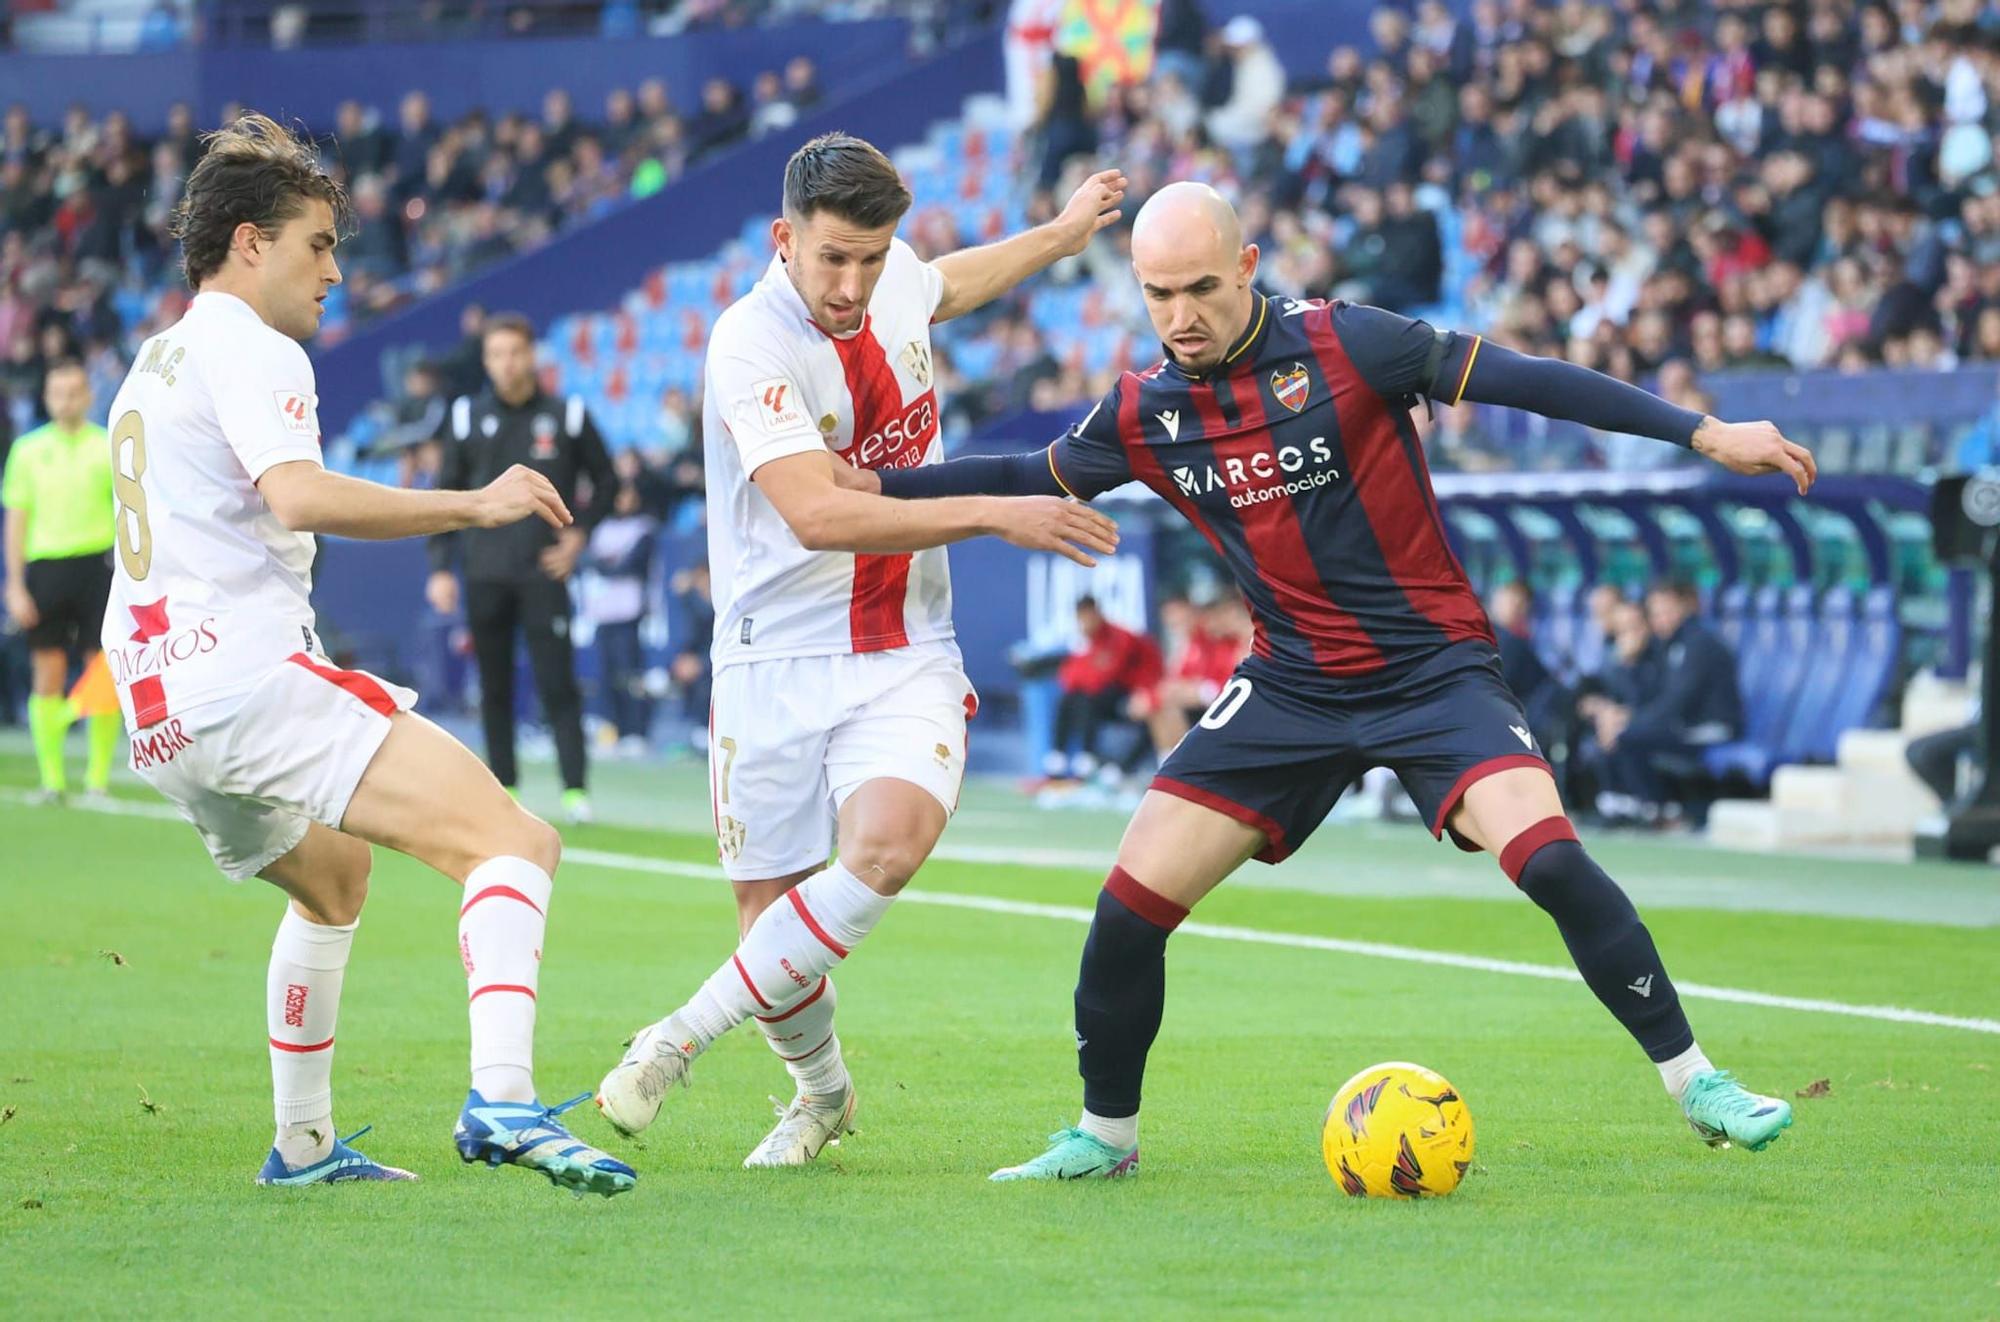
(1397, 1130)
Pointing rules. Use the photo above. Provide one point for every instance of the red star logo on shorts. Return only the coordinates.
(151, 619)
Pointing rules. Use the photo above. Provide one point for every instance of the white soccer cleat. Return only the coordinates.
(631, 1093)
(803, 1128)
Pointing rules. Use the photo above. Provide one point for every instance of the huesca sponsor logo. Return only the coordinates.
(150, 748)
(1264, 475)
(150, 658)
(900, 442)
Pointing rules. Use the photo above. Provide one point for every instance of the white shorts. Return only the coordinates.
(250, 773)
(790, 739)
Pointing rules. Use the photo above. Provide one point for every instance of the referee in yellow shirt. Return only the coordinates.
(60, 529)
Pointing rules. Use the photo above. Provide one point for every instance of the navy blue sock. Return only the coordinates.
(1612, 949)
(1121, 992)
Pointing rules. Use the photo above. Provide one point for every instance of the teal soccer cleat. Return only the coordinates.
(341, 1164)
(1722, 1111)
(527, 1134)
(1074, 1155)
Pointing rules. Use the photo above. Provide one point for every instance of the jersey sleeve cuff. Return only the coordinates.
(270, 459)
(779, 447)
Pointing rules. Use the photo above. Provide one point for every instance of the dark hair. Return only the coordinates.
(1679, 587)
(255, 172)
(65, 364)
(840, 173)
(510, 323)
(1088, 603)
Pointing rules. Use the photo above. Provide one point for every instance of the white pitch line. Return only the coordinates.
(1337, 945)
(1250, 935)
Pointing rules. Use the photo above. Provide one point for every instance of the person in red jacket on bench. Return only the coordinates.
(1096, 684)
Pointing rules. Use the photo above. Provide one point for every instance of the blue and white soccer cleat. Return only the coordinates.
(343, 1163)
(527, 1134)
(1722, 1111)
(1074, 1155)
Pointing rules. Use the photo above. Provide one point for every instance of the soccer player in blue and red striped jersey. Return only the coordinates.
(1281, 429)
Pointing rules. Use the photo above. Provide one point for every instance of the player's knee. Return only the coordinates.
(541, 844)
(342, 889)
(883, 862)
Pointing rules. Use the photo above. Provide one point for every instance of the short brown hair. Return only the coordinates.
(255, 172)
(840, 173)
(507, 323)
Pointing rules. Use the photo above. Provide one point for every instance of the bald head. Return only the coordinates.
(1185, 218)
(1195, 270)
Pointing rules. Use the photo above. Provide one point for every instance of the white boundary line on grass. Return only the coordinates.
(1337, 945)
(1249, 935)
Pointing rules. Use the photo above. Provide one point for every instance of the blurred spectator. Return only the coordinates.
(1512, 611)
(1097, 684)
(1256, 86)
(692, 633)
(1202, 662)
(723, 120)
(1691, 703)
(1936, 758)
(620, 558)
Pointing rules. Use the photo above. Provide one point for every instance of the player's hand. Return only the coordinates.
(518, 493)
(21, 606)
(441, 591)
(1051, 523)
(1754, 448)
(849, 478)
(559, 560)
(1090, 208)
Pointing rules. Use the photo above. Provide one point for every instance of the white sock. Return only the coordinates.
(301, 1003)
(1121, 1132)
(500, 939)
(800, 1031)
(791, 946)
(1679, 1071)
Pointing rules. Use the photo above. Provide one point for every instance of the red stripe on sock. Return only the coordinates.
(1524, 846)
(294, 1046)
(528, 992)
(1152, 906)
(499, 892)
(817, 992)
(812, 925)
(747, 983)
(802, 1055)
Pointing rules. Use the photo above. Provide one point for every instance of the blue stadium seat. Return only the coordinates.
(1776, 650)
(1809, 733)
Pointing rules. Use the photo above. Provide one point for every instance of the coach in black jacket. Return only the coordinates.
(517, 577)
(1693, 702)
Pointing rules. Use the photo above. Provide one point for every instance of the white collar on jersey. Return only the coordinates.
(782, 288)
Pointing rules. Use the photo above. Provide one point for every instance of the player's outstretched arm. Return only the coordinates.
(826, 515)
(307, 498)
(975, 276)
(975, 475)
(1556, 389)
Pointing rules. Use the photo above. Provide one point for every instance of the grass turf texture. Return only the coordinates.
(1588, 1195)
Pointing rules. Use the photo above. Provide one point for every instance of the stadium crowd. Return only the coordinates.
(1656, 190)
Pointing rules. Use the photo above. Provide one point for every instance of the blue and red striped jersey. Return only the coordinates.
(1298, 460)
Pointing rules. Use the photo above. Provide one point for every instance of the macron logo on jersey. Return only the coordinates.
(1171, 420)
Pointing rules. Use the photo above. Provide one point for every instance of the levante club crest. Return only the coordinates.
(1292, 386)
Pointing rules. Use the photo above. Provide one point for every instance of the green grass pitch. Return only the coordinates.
(134, 1087)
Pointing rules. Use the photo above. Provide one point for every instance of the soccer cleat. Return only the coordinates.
(1722, 1111)
(576, 808)
(803, 1128)
(47, 798)
(527, 1134)
(1074, 1155)
(343, 1163)
(631, 1093)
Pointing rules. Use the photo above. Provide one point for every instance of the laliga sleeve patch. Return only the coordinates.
(775, 406)
(298, 412)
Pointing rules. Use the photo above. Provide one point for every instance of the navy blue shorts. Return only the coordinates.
(1276, 753)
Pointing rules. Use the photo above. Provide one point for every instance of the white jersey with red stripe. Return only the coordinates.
(777, 385)
(211, 590)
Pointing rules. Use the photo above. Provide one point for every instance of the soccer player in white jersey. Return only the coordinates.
(840, 703)
(287, 766)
